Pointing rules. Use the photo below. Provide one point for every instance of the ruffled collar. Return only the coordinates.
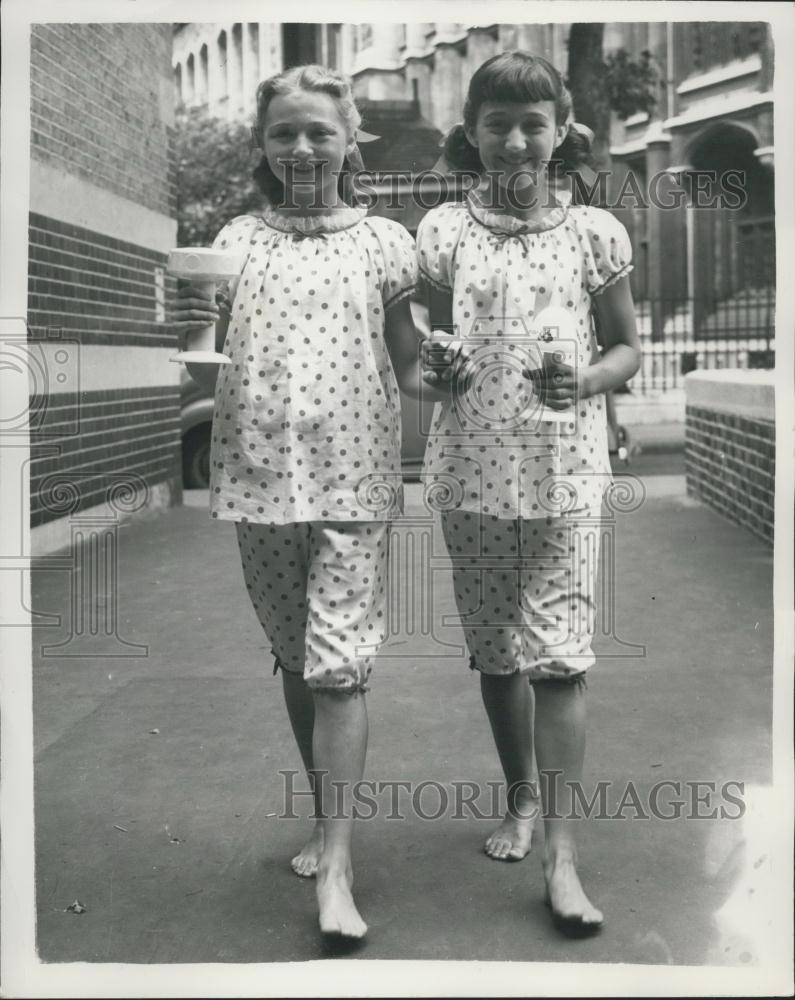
(308, 225)
(501, 222)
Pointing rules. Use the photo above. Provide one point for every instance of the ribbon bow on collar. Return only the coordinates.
(501, 236)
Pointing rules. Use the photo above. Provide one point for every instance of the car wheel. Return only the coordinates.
(196, 457)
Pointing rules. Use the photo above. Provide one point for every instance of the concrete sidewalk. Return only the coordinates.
(158, 785)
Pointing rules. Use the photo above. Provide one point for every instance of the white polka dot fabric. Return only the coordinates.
(308, 412)
(525, 592)
(319, 592)
(489, 447)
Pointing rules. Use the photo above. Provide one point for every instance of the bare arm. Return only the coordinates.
(619, 336)
(440, 308)
(403, 343)
(561, 385)
(440, 314)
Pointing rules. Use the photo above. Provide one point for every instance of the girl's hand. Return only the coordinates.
(558, 385)
(194, 310)
(446, 360)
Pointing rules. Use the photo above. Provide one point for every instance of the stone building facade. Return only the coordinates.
(714, 113)
(701, 272)
(714, 110)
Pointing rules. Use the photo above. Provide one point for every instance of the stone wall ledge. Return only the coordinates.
(747, 393)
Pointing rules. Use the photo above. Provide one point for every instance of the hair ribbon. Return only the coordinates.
(581, 129)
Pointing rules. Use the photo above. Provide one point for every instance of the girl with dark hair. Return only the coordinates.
(306, 435)
(521, 446)
(518, 77)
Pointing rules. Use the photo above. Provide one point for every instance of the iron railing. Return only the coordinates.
(682, 335)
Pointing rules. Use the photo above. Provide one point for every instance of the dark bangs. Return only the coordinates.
(516, 77)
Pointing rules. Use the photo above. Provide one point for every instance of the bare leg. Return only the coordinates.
(560, 747)
(339, 749)
(301, 710)
(509, 705)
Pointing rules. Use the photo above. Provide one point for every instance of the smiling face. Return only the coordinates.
(516, 140)
(305, 139)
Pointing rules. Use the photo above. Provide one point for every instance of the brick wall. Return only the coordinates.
(99, 106)
(730, 456)
(101, 437)
(102, 219)
(105, 287)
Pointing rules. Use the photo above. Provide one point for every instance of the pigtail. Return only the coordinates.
(575, 150)
(459, 153)
(571, 168)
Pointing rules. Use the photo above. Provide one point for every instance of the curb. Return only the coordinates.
(658, 447)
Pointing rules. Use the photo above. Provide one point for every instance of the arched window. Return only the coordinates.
(201, 88)
(236, 78)
(738, 242)
(190, 80)
(332, 45)
(223, 67)
(253, 55)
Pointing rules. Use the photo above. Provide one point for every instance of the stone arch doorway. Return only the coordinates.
(734, 246)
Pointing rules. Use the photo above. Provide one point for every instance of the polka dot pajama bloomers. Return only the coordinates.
(525, 592)
(306, 427)
(525, 492)
(319, 591)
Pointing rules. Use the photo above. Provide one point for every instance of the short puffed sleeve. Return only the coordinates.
(438, 235)
(398, 264)
(236, 235)
(607, 251)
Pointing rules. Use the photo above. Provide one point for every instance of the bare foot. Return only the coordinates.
(305, 862)
(337, 911)
(512, 839)
(573, 912)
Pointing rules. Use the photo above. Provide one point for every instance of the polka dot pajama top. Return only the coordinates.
(308, 412)
(501, 272)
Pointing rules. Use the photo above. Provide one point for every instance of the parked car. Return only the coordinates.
(196, 418)
(196, 408)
